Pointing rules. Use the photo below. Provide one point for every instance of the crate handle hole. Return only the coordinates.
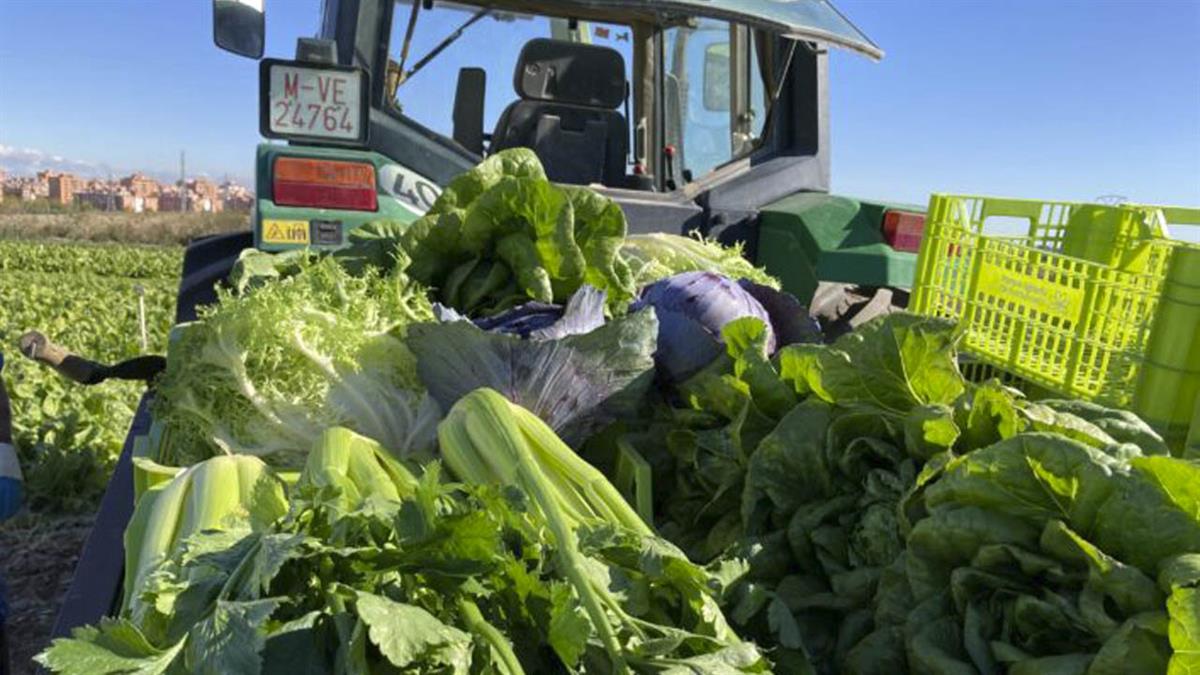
(1006, 226)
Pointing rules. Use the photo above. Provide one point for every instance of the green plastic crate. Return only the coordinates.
(1090, 301)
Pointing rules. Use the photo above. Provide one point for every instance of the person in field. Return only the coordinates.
(11, 488)
(76, 368)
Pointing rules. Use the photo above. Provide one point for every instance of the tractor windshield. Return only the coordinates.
(489, 39)
(716, 101)
(574, 92)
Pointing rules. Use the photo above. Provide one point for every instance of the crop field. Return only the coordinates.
(82, 296)
(117, 227)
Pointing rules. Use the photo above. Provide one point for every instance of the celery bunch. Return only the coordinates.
(374, 570)
(234, 491)
(487, 440)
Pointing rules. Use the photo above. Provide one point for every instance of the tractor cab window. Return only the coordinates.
(714, 96)
(582, 100)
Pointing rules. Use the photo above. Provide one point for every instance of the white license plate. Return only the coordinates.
(314, 102)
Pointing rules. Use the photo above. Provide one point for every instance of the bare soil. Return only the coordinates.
(37, 559)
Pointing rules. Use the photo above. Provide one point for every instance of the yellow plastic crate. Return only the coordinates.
(1070, 300)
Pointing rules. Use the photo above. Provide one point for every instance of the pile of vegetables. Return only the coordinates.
(509, 439)
(360, 566)
(899, 519)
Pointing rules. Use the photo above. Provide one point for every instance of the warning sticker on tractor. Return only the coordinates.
(285, 232)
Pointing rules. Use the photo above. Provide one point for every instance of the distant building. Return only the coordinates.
(207, 195)
(22, 190)
(134, 193)
(238, 202)
(41, 183)
(171, 198)
(235, 197)
(141, 185)
(62, 188)
(99, 199)
(116, 200)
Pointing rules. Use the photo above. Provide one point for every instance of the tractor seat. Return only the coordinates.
(567, 113)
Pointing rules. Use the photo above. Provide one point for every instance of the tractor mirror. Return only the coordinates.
(239, 26)
(716, 77)
(468, 108)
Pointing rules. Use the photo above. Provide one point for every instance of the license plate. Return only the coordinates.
(327, 102)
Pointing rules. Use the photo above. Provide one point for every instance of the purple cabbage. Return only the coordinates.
(692, 308)
(583, 313)
(789, 319)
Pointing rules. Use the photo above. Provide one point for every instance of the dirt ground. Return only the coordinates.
(37, 559)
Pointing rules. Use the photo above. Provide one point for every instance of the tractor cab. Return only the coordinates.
(693, 115)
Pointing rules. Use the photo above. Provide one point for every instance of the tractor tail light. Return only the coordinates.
(324, 184)
(902, 230)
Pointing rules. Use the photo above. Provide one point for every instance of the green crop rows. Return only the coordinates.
(82, 296)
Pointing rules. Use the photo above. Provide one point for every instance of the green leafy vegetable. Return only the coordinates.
(501, 234)
(660, 255)
(265, 372)
(374, 570)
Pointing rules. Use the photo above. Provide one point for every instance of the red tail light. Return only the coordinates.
(902, 230)
(324, 184)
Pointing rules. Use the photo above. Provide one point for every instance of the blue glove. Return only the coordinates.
(11, 494)
(11, 487)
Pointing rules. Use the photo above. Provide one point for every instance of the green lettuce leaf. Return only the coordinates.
(1033, 476)
(600, 233)
(893, 363)
(501, 234)
(659, 255)
(1153, 516)
(789, 467)
(1180, 578)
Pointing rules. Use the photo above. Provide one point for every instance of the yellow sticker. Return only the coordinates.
(285, 232)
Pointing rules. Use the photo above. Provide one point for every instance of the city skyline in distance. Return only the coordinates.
(136, 192)
(17, 161)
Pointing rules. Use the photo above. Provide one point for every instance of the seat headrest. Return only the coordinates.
(570, 72)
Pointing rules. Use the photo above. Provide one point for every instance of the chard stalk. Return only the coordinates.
(539, 488)
(479, 625)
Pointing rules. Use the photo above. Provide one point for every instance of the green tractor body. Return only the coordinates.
(812, 237)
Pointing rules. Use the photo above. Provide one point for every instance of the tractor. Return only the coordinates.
(695, 116)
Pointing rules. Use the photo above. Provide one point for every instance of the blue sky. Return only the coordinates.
(1036, 98)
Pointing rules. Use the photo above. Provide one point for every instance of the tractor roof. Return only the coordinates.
(813, 20)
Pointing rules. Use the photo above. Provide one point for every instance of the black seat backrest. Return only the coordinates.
(567, 112)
